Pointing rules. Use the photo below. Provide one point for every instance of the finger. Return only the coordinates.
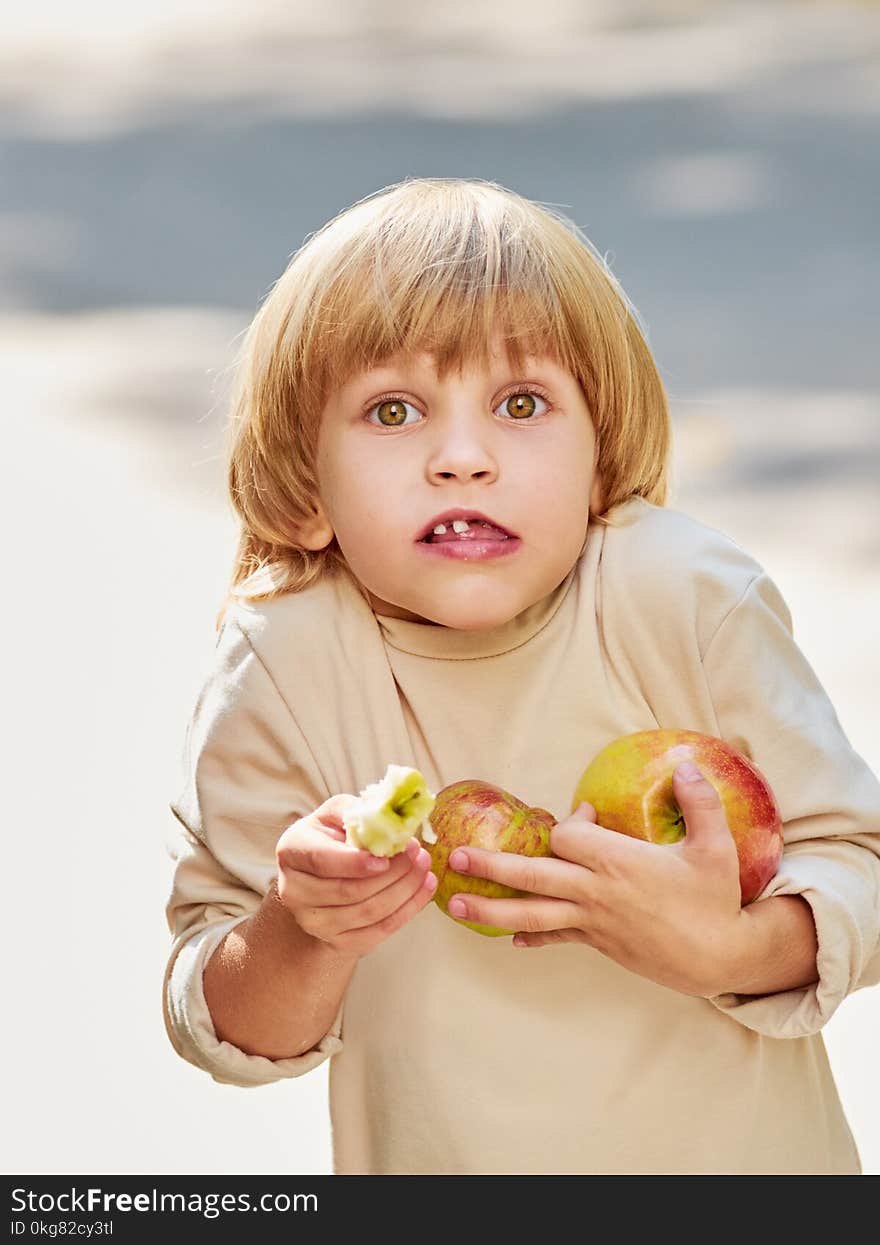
(378, 909)
(321, 857)
(306, 848)
(530, 915)
(420, 897)
(308, 890)
(704, 817)
(332, 811)
(547, 937)
(365, 938)
(579, 840)
(540, 875)
(385, 903)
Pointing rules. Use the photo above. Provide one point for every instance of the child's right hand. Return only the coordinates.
(343, 895)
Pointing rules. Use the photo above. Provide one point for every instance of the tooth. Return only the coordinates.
(460, 525)
(439, 529)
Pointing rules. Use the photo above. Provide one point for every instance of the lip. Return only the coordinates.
(449, 516)
(472, 550)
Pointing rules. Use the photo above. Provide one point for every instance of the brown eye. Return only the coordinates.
(520, 405)
(395, 410)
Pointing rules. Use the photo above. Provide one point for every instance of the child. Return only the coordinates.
(448, 348)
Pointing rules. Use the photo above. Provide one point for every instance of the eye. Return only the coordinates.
(391, 411)
(521, 404)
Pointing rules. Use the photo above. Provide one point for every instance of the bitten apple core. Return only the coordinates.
(390, 812)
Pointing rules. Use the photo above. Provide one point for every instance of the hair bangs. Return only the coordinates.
(453, 284)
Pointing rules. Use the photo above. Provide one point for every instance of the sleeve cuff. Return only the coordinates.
(191, 1029)
(846, 920)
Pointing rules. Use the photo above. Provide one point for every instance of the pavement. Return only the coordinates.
(160, 166)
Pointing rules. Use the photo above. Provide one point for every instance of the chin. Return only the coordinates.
(471, 616)
(474, 616)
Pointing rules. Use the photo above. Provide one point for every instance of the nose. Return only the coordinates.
(462, 450)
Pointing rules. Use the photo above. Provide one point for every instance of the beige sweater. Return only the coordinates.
(455, 1053)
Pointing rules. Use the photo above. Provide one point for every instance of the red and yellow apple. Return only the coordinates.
(478, 814)
(629, 783)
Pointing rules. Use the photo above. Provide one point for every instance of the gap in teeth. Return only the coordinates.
(458, 525)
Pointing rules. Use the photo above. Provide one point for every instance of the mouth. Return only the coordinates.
(463, 526)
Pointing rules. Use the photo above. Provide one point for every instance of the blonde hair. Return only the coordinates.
(432, 264)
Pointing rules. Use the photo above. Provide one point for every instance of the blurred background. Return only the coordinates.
(160, 163)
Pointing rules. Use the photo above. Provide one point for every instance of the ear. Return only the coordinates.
(316, 532)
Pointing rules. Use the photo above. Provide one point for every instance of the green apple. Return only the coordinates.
(477, 814)
(629, 783)
(390, 812)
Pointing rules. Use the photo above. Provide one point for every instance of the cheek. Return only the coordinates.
(359, 491)
(346, 477)
(567, 479)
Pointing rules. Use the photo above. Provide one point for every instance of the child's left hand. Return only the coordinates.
(669, 912)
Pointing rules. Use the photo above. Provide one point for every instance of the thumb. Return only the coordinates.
(584, 811)
(333, 810)
(700, 804)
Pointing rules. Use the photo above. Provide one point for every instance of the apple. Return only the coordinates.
(629, 783)
(389, 812)
(472, 813)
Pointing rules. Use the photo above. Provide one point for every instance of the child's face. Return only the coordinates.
(397, 448)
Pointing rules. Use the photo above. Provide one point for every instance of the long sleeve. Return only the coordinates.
(771, 706)
(248, 774)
